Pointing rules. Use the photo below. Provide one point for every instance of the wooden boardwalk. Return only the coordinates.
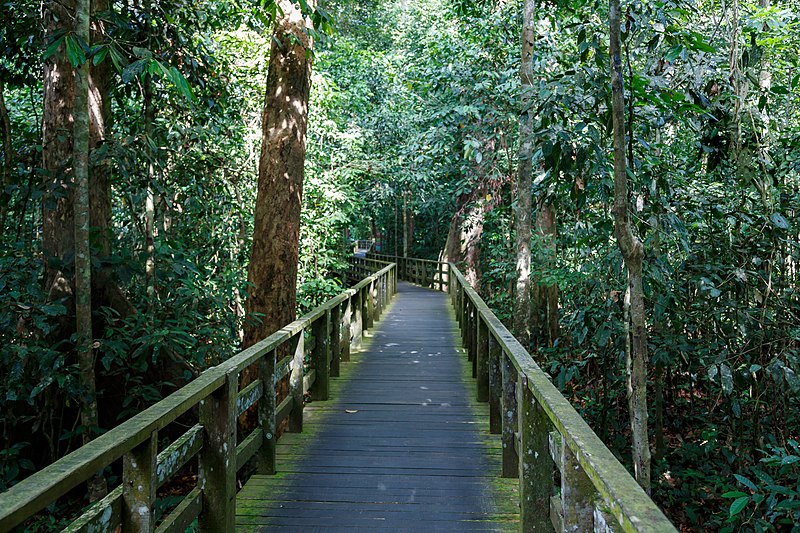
(401, 446)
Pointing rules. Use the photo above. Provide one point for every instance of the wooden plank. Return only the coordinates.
(174, 456)
(103, 516)
(248, 447)
(184, 514)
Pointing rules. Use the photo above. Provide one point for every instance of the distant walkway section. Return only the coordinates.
(402, 445)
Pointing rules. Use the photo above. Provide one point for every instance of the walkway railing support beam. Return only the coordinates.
(138, 486)
(320, 359)
(267, 404)
(216, 479)
(296, 383)
(535, 465)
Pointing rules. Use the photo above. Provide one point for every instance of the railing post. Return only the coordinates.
(347, 326)
(495, 386)
(509, 429)
(321, 356)
(473, 338)
(296, 383)
(482, 357)
(369, 306)
(217, 471)
(377, 295)
(139, 486)
(266, 462)
(577, 493)
(335, 340)
(535, 465)
(465, 323)
(357, 324)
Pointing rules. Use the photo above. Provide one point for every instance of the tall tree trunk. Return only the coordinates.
(57, 213)
(5, 135)
(548, 300)
(463, 243)
(633, 254)
(83, 260)
(405, 223)
(149, 207)
(522, 212)
(272, 273)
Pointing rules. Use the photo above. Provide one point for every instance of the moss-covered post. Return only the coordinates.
(509, 407)
(347, 329)
(495, 386)
(462, 307)
(217, 471)
(320, 356)
(139, 486)
(357, 325)
(482, 357)
(473, 337)
(535, 464)
(577, 494)
(377, 295)
(369, 306)
(335, 341)
(296, 383)
(266, 463)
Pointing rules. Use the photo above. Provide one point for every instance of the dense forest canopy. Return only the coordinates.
(423, 120)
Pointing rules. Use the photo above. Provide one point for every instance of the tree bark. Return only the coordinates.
(633, 254)
(548, 301)
(83, 260)
(5, 135)
(463, 243)
(272, 273)
(57, 209)
(57, 146)
(522, 212)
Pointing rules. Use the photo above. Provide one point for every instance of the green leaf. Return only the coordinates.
(142, 53)
(133, 70)
(75, 52)
(779, 221)
(738, 504)
(99, 55)
(54, 46)
(726, 377)
(746, 482)
(734, 494)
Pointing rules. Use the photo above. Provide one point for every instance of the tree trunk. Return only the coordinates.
(463, 245)
(57, 146)
(57, 213)
(83, 260)
(633, 254)
(149, 207)
(522, 212)
(272, 273)
(405, 224)
(5, 135)
(548, 301)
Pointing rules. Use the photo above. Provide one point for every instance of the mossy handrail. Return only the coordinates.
(333, 326)
(542, 434)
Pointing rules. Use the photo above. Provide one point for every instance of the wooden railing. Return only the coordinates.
(324, 337)
(364, 245)
(423, 272)
(568, 479)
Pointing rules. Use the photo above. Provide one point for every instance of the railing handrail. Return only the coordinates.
(624, 498)
(37, 491)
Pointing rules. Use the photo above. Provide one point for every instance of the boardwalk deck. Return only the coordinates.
(401, 446)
